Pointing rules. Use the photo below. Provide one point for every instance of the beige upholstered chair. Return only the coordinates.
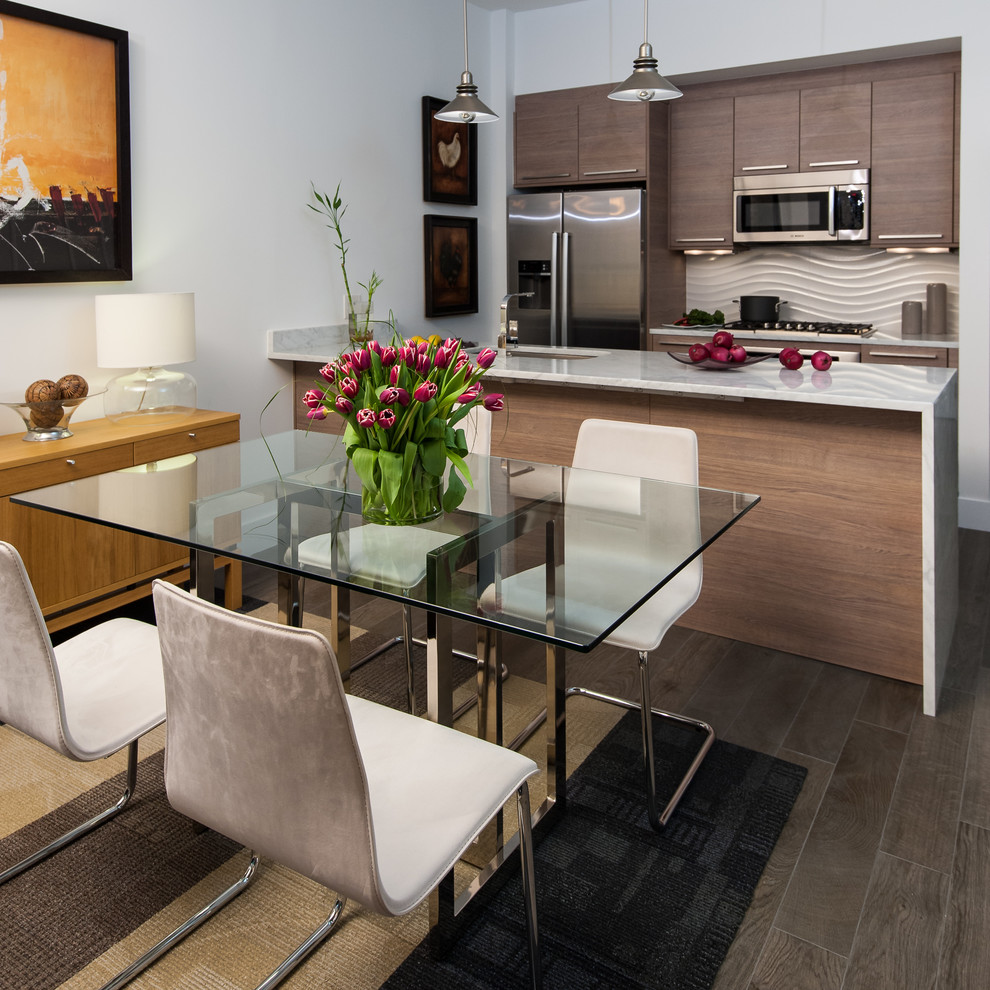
(264, 746)
(86, 698)
(632, 450)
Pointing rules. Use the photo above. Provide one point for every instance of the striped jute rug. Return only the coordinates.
(80, 917)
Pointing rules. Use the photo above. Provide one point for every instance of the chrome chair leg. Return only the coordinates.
(299, 954)
(86, 827)
(657, 819)
(186, 928)
(529, 886)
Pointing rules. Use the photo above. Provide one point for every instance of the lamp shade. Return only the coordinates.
(142, 330)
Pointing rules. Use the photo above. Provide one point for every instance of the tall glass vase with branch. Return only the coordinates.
(358, 321)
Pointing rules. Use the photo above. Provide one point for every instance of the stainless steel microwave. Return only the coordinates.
(797, 207)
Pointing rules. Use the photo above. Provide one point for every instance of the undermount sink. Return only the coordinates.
(554, 353)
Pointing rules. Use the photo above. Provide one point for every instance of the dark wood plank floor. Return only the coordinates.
(881, 878)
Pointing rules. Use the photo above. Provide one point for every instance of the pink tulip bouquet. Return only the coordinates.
(402, 403)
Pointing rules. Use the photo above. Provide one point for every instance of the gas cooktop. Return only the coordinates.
(806, 326)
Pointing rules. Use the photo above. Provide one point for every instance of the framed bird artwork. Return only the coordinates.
(450, 161)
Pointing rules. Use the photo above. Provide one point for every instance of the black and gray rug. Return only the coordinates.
(622, 907)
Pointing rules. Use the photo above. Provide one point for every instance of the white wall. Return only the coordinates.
(592, 41)
(234, 109)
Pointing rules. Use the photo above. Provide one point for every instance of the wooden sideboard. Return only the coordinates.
(82, 569)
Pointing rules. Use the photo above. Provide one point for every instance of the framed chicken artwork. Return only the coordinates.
(450, 162)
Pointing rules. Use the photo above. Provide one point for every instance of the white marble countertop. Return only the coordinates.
(307, 343)
(877, 386)
(815, 339)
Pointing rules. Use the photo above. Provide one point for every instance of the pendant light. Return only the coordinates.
(466, 108)
(645, 83)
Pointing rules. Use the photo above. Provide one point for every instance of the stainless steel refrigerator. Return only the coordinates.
(582, 255)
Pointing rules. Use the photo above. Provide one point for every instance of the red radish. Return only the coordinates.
(738, 353)
(697, 352)
(722, 338)
(720, 354)
(791, 358)
(821, 360)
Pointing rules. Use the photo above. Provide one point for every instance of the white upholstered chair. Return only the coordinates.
(87, 698)
(396, 555)
(634, 450)
(264, 746)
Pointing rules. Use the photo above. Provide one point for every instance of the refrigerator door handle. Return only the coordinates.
(554, 263)
(565, 289)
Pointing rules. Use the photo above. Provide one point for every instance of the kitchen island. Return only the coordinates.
(851, 557)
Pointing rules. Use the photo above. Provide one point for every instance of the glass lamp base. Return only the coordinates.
(149, 393)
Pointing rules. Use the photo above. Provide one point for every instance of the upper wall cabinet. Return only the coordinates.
(799, 130)
(578, 137)
(835, 127)
(700, 174)
(897, 117)
(913, 179)
(767, 129)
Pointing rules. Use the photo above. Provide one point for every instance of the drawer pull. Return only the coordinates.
(700, 240)
(614, 171)
(917, 356)
(759, 168)
(70, 462)
(555, 175)
(905, 237)
(192, 436)
(845, 161)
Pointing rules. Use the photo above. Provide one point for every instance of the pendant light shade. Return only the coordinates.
(645, 83)
(466, 108)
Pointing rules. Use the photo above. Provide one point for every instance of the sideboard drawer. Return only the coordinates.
(55, 470)
(185, 442)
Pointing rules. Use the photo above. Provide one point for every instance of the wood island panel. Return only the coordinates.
(829, 564)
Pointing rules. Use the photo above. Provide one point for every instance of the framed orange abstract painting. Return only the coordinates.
(65, 205)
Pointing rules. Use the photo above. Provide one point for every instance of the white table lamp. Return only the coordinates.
(147, 330)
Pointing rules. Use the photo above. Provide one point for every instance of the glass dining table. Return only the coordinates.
(292, 503)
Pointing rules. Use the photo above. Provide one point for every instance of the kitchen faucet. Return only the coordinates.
(504, 340)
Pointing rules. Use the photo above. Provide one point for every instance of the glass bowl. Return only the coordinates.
(48, 420)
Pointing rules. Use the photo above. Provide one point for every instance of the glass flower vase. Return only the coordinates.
(418, 502)
(359, 328)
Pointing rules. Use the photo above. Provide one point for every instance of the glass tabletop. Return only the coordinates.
(559, 554)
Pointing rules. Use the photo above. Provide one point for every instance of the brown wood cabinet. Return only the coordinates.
(835, 127)
(701, 174)
(578, 137)
(767, 132)
(899, 117)
(81, 569)
(912, 185)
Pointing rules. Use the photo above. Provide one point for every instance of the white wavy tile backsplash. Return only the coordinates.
(830, 282)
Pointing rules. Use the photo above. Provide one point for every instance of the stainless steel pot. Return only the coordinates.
(759, 309)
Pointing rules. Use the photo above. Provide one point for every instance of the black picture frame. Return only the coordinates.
(450, 160)
(71, 220)
(450, 251)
